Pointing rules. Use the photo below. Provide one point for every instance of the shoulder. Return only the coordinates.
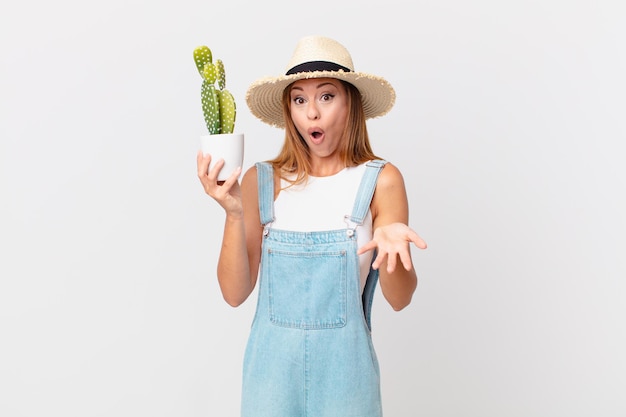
(389, 198)
(389, 178)
(250, 181)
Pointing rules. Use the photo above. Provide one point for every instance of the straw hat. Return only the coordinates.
(318, 57)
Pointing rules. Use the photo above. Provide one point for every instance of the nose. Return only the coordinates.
(312, 111)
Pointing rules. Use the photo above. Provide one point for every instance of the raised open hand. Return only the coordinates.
(392, 241)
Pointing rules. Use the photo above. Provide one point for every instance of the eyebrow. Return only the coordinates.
(317, 86)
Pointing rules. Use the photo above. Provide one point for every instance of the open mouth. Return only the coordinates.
(316, 135)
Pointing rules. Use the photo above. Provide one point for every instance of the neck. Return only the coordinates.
(325, 168)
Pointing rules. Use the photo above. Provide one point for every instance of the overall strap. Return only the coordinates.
(265, 183)
(361, 206)
(366, 191)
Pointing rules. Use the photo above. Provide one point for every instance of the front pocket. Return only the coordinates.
(307, 290)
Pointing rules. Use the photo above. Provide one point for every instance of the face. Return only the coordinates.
(319, 110)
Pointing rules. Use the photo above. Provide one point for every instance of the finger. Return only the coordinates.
(215, 170)
(367, 247)
(230, 181)
(380, 258)
(391, 263)
(203, 162)
(417, 240)
(405, 258)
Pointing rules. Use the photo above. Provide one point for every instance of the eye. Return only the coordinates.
(327, 97)
(298, 100)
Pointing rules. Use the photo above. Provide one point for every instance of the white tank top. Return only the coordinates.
(322, 204)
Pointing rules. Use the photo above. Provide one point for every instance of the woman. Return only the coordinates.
(320, 225)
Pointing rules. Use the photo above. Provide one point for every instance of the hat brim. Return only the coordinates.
(264, 96)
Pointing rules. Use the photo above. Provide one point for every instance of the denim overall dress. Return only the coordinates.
(310, 352)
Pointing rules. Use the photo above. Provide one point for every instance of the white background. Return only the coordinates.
(508, 127)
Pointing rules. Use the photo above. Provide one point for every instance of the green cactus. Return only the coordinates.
(218, 104)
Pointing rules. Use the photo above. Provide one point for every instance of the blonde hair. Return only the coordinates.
(355, 149)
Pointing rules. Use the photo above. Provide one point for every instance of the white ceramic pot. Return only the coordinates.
(227, 146)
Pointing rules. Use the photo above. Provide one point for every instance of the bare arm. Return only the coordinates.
(240, 254)
(392, 237)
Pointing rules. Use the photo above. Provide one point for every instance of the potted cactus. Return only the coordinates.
(218, 107)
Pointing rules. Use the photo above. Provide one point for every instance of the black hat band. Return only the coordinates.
(313, 66)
